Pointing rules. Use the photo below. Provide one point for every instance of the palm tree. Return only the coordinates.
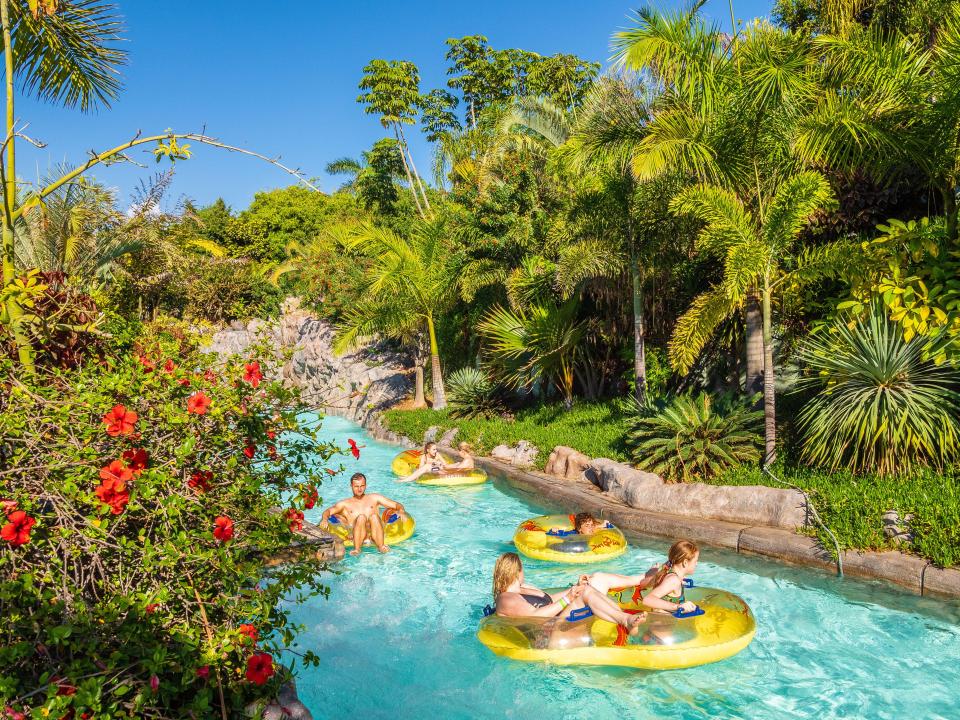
(535, 344)
(756, 249)
(725, 113)
(65, 54)
(410, 282)
(887, 100)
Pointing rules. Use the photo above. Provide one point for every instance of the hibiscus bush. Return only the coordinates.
(138, 510)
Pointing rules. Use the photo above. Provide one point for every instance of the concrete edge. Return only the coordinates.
(906, 571)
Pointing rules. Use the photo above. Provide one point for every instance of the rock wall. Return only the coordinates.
(355, 385)
(748, 505)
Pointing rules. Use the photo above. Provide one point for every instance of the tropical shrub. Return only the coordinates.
(138, 510)
(694, 437)
(473, 394)
(881, 406)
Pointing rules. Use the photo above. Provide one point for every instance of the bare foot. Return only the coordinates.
(383, 548)
(635, 623)
(355, 551)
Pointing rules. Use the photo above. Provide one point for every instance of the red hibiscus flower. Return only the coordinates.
(152, 608)
(110, 495)
(10, 714)
(136, 459)
(120, 421)
(185, 381)
(169, 366)
(209, 375)
(65, 689)
(249, 630)
(203, 672)
(252, 374)
(272, 434)
(200, 480)
(250, 450)
(296, 519)
(16, 531)
(198, 403)
(116, 475)
(310, 497)
(154, 683)
(223, 528)
(354, 449)
(259, 668)
(147, 364)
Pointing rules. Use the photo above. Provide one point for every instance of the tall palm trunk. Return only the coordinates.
(950, 210)
(769, 382)
(12, 309)
(639, 323)
(436, 374)
(406, 167)
(413, 167)
(419, 399)
(755, 349)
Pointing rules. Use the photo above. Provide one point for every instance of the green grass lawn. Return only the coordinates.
(596, 429)
(852, 506)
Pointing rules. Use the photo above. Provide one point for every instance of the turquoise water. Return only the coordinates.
(397, 634)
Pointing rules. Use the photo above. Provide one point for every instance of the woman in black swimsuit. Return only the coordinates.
(513, 598)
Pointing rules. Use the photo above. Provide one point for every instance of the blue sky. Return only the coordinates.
(281, 78)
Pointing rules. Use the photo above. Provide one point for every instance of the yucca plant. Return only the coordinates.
(883, 407)
(695, 437)
(472, 394)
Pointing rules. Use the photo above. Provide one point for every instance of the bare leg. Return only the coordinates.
(376, 532)
(359, 533)
(603, 581)
(603, 607)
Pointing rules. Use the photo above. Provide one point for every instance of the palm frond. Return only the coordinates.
(696, 325)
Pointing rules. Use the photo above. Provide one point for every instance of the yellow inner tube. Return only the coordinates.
(395, 528)
(455, 477)
(663, 642)
(409, 460)
(552, 538)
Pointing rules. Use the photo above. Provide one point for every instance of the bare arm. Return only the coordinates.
(654, 599)
(389, 504)
(333, 510)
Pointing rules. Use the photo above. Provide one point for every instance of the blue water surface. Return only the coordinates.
(397, 634)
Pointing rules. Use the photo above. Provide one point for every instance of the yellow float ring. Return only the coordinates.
(395, 528)
(664, 642)
(453, 478)
(553, 538)
(409, 460)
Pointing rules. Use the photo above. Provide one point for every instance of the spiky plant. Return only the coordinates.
(472, 394)
(882, 407)
(695, 437)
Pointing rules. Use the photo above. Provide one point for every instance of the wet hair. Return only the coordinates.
(464, 446)
(358, 476)
(427, 446)
(580, 518)
(680, 552)
(506, 570)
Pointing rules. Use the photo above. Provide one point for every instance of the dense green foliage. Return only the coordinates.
(878, 403)
(694, 437)
(139, 497)
(473, 394)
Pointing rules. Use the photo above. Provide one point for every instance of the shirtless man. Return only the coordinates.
(362, 511)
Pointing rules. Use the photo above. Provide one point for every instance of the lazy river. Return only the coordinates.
(397, 634)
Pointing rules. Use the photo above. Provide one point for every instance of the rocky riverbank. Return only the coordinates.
(356, 385)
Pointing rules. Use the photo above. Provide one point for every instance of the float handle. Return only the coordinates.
(488, 610)
(579, 614)
(688, 582)
(681, 615)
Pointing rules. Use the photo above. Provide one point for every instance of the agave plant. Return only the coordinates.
(695, 436)
(882, 406)
(472, 393)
